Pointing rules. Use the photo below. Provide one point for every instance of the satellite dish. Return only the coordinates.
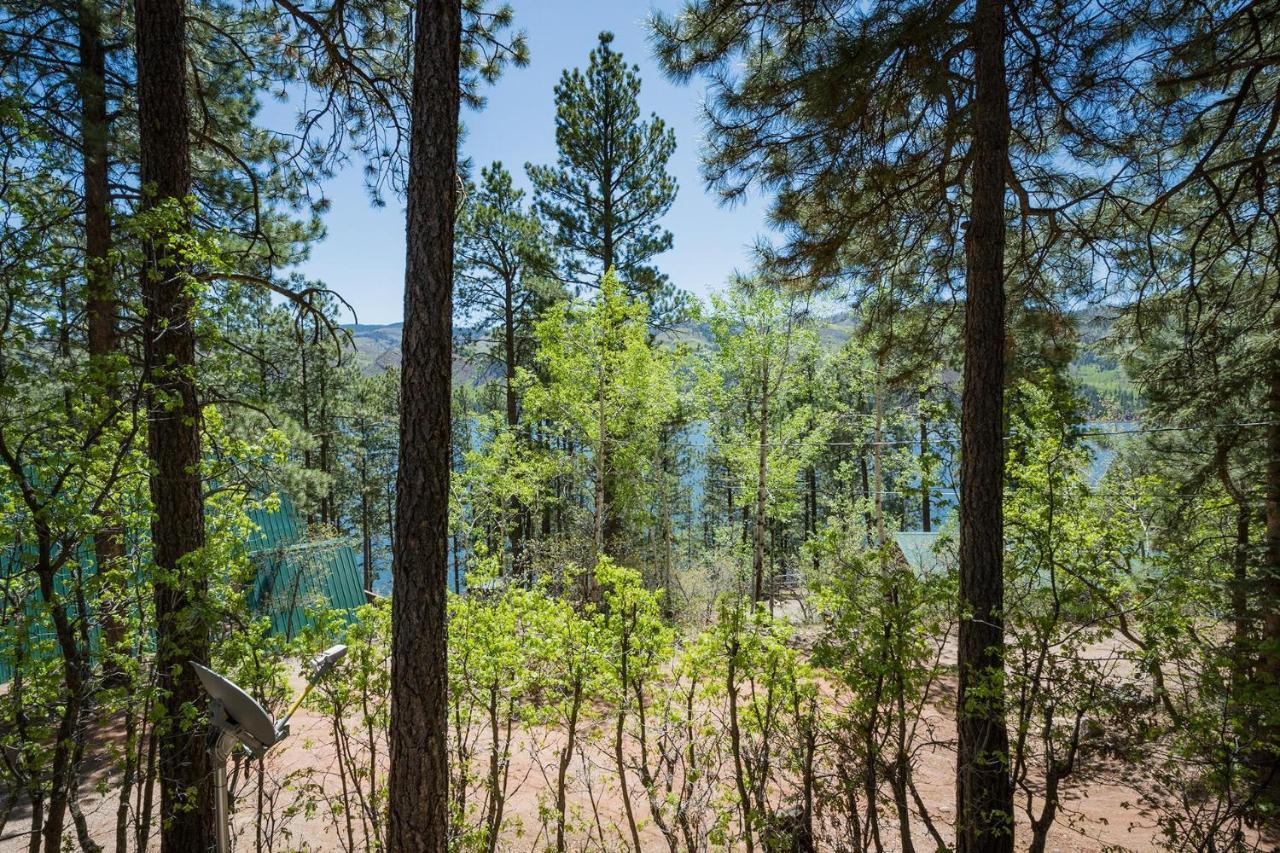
(236, 712)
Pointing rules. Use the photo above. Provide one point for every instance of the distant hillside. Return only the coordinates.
(1105, 385)
(377, 347)
(1102, 379)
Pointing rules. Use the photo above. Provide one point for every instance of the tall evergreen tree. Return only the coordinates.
(610, 187)
(418, 799)
(501, 255)
(984, 790)
(504, 265)
(419, 776)
(169, 353)
(883, 128)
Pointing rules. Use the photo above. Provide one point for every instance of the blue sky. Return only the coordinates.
(363, 256)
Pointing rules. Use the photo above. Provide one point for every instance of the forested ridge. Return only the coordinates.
(1107, 389)
(949, 522)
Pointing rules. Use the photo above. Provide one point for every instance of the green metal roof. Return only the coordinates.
(294, 575)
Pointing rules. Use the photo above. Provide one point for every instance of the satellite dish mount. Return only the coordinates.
(238, 720)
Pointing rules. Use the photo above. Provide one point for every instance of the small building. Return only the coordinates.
(297, 574)
(294, 575)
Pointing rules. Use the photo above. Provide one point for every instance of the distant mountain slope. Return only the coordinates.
(377, 347)
(1105, 385)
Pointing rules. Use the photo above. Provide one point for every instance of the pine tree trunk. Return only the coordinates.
(419, 776)
(177, 524)
(984, 795)
(762, 496)
(100, 302)
(1271, 572)
(926, 514)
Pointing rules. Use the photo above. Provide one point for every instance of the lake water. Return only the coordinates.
(943, 498)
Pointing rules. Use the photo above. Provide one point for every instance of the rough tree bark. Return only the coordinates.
(419, 774)
(173, 434)
(1271, 570)
(100, 301)
(762, 490)
(984, 794)
(926, 487)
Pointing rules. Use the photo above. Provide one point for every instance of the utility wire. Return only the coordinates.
(711, 443)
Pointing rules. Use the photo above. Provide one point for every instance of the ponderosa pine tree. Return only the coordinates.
(504, 261)
(418, 796)
(78, 70)
(502, 253)
(610, 185)
(984, 792)
(418, 799)
(236, 172)
(883, 130)
(173, 433)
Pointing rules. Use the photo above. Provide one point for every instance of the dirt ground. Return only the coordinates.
(1100, 815)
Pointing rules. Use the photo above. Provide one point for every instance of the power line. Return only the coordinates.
(713, 444)
(795, 443)
(1177, 428)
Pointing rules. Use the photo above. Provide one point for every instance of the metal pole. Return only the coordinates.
(221, 797)
(282, 724)
(260, 735)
